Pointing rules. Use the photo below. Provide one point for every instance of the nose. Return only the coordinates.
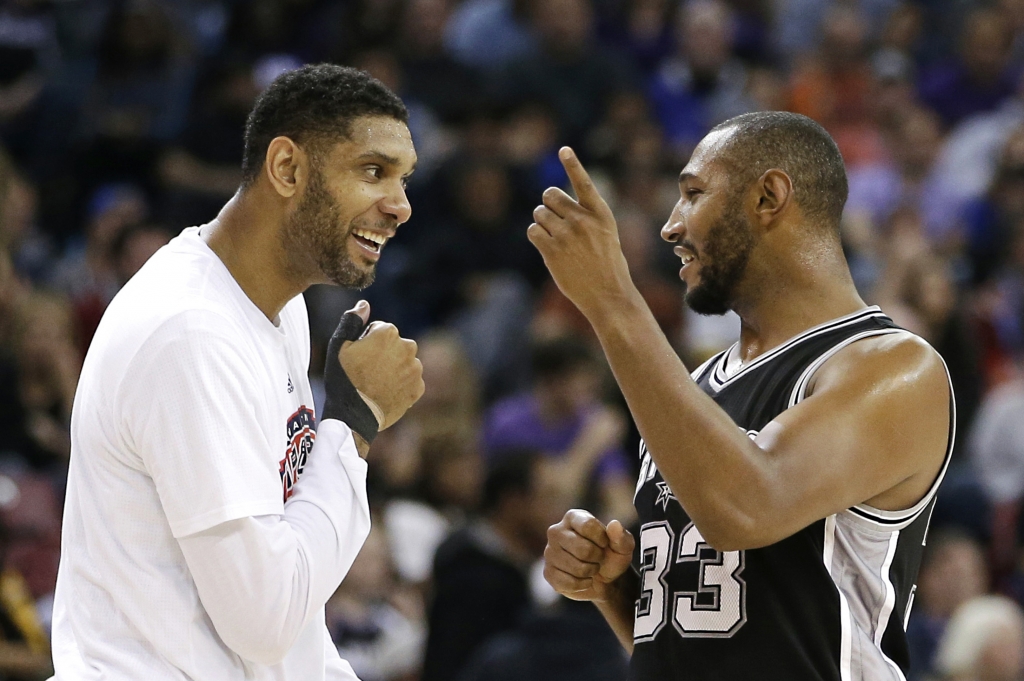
(673, 229)
(396, 205)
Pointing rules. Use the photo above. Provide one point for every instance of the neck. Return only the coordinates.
(246, 237)
(792, 296)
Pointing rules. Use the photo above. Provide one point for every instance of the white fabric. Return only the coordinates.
(183, 556)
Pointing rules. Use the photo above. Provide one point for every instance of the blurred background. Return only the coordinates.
(121, 123)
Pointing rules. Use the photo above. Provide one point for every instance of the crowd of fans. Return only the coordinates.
(121, 123)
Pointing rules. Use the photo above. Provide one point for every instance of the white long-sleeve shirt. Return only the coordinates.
(206, 522)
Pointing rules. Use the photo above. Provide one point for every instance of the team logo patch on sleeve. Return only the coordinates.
(301, 434)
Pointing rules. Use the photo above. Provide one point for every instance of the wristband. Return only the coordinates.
(343, 401)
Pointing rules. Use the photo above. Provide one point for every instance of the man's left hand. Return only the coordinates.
(579, 241)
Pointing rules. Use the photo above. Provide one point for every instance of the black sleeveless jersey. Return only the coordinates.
(828, 603)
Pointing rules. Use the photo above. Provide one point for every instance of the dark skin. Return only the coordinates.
(364, 178)
(872, 429)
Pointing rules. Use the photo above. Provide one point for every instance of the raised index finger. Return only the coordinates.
(586, 192)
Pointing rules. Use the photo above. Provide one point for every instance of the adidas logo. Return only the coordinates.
(291, 387)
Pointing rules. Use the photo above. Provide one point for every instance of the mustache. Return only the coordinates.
(383, 225)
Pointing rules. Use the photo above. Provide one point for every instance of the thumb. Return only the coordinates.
(619, 540)
(350, 326)
(362, 309)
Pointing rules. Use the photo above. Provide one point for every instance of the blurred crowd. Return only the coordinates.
(121, 123)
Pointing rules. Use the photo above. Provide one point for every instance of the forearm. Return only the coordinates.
(709, 462)
(619, 609)
(261, 579)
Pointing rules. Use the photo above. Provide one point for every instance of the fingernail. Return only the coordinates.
(565, 153)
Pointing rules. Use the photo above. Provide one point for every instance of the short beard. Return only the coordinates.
(722, 263)
(315, 244)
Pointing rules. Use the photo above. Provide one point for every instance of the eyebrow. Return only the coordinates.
(379, 156)
(684, 176)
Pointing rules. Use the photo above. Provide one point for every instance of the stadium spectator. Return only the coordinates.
(984, 641)
(953, 571)
(490, 34)
(139, 97)
(566, 642)
(981, 78)
(563, 417)
(833, 84)
(702, 84)
(86, 273)
(643, 30)
(202, 170)
(378, 631)
(571, 72)
(48, 367)
(481, 583)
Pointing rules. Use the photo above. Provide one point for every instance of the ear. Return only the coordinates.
(285, 166)
(774, 195)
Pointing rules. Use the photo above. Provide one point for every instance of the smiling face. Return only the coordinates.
(712, 234)
(353, 202)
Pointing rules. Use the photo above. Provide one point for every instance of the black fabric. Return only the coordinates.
(478, 593)
(342, 401)
(789, 626)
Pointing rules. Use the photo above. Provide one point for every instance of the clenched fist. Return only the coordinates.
(383, 366)
(583, 557)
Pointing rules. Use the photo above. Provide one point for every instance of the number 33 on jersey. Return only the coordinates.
(713, 606)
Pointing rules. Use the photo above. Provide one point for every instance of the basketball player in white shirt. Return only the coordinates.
(210, 514)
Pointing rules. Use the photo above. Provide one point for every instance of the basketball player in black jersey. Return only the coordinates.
(786, 485)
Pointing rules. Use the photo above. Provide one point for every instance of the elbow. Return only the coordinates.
(259, 643)
(731, 530)
(260, 631)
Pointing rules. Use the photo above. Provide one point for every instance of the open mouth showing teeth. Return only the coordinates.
(687, 259)
(370, 240)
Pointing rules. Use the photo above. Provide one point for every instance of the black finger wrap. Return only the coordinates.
(343, 401)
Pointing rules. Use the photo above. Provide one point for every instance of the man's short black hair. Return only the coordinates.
(797, 146)
(314, 103)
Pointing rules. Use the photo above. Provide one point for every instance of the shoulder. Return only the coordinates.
(899, 360)
(196, 341)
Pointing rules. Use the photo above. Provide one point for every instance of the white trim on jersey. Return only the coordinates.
(889, 604)
(846, 647)
(845, 625)
(910, 607)
(696, 374)
(800, 389)
(718, 382)
(890, 591)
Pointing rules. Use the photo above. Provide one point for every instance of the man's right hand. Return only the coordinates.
(383, 366)
(583, 558)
